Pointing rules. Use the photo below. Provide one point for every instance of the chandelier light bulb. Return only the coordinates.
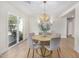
(38, 21)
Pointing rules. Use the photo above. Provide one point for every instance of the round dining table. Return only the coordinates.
(42, 39)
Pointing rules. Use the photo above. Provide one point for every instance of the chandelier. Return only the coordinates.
(44, 17)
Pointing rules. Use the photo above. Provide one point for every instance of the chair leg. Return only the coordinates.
(51, 52)
(41, 51)
(58, 53)
(44, 51)
(59, 49)
(33, 53)
(28, 53)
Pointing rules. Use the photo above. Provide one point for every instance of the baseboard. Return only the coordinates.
(11, 47)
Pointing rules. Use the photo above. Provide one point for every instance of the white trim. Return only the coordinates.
(70, 9)
(17, 29)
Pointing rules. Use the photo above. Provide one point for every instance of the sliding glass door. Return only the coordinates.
(15, 29)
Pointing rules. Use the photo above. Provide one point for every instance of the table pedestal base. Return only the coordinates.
(43, 52)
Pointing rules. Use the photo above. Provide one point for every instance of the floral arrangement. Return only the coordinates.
(44, 27)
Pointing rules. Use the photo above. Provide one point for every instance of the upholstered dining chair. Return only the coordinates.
(40, 33)
(32, 44)
(54, 45)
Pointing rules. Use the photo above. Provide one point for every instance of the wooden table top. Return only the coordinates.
(42, 38)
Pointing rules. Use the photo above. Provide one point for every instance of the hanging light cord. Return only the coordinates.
(44, 6)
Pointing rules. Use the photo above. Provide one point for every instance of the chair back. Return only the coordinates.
(40, 33)
(29, 40)
(31, 34)
(55, 43)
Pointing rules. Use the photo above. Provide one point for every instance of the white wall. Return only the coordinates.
(3, 28)
(77, 28)
(33, 23)
(59, 26)
(4, 9)
(70, 28)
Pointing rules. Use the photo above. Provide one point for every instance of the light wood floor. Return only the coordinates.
(20, 51)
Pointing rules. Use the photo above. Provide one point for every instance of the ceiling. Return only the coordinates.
(35, 8)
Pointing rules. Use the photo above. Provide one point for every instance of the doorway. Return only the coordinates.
(70, 26)
(15, 30)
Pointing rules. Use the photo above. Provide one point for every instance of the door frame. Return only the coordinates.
(17, 39)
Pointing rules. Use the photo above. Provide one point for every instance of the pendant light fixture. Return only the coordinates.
(44, 17)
